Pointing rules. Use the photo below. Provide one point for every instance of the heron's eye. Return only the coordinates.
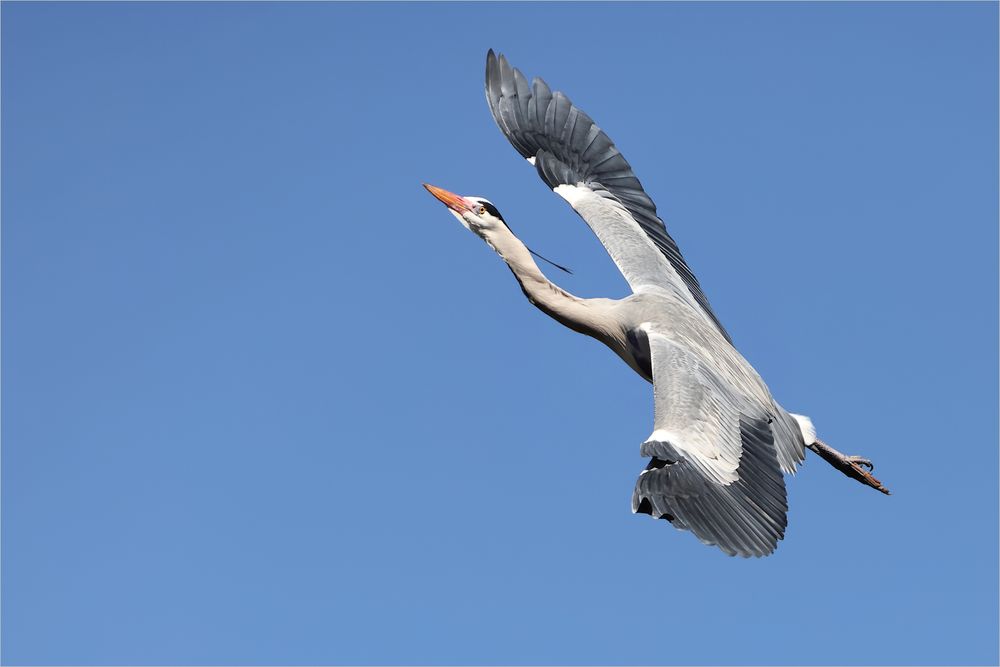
(482, 210)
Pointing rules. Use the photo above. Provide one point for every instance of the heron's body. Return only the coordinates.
(720, 443)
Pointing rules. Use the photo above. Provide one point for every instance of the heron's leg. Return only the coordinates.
(852, 466)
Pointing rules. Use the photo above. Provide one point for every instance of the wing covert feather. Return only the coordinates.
(714, 468)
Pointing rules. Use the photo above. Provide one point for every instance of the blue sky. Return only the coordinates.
(266, 402)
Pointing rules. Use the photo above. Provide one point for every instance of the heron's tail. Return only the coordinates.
(806, 425)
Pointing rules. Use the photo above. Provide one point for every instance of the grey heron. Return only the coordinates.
(720, 444)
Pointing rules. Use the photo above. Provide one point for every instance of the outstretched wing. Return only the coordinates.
(714, 468)
(581, 164)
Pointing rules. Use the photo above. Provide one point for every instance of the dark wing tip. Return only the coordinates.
(746, 517)
(491, 62)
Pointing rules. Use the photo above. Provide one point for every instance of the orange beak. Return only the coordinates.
(450, 199)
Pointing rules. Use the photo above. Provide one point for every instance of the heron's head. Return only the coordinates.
(483, 218)
(474, 213)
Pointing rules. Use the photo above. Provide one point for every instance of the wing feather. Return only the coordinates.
(714, 468)
(546, 127)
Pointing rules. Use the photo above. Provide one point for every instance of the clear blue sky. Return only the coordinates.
(265, 401)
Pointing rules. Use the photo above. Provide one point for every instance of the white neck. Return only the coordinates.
(581, 315)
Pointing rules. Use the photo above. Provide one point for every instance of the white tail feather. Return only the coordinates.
(806, 425)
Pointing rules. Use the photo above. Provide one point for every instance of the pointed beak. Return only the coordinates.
(450, 199)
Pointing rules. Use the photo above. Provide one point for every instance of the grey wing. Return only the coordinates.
(578, 160)
(714, 468)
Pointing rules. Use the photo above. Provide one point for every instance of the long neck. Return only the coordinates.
(581, 315)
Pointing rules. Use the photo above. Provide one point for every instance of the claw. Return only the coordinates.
(865, 477)
(861, 461)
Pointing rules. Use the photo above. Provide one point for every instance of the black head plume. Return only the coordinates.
(549, 261)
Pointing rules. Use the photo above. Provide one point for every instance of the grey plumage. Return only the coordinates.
(724, 482)
(720, 443)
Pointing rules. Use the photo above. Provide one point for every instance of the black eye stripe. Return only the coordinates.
(491, 209)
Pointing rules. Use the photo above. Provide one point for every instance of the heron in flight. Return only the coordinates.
(721, 444)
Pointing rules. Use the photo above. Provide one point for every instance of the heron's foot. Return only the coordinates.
(861, 461)
(852, 466)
